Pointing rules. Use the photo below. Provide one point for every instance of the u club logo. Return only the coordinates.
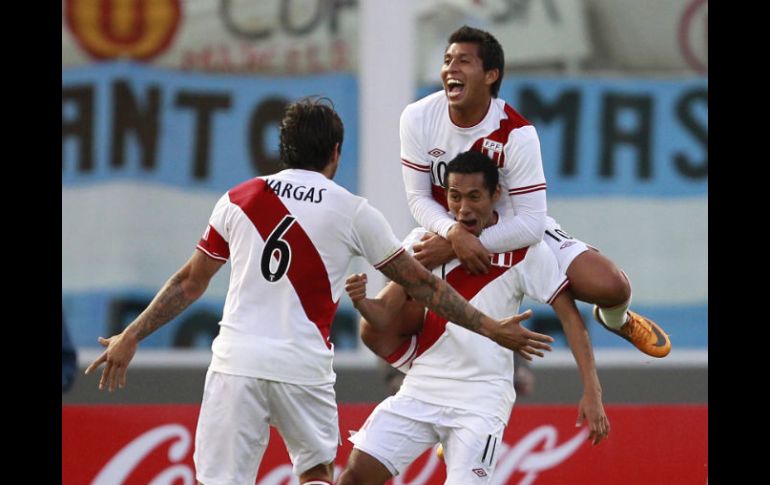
(134, 29)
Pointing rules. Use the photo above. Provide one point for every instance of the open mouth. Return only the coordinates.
(469, 224)
(454, 88)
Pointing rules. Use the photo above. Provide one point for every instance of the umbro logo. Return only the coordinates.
(436, 152)
(567, 244)
(480, 472)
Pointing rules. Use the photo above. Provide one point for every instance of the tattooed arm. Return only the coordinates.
(183, 288)
(437, 295)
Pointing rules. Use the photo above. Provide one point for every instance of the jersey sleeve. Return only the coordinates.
(413, 238)
(373, 237)
(524, 181)
(214, 242)
(416, 174)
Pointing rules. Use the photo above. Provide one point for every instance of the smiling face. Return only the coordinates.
(466, 84)
(470, 201)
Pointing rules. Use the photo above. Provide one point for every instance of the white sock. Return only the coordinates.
(616, 316)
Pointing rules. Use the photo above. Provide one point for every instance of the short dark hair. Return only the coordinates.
(309, 130)
(490, 51)
(475, 162)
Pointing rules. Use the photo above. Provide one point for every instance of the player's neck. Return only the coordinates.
(470, 116)
(491, 221)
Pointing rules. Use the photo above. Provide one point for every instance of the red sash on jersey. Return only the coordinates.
(468, 286)
(307, 271)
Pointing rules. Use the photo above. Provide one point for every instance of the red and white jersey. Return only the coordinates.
(452, 366)
(429, 140)
(290, 237)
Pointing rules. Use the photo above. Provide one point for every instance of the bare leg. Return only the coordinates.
(363, 469)
(321, 473)
(595, 279)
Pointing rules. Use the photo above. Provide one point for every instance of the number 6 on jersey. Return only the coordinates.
(275, 243)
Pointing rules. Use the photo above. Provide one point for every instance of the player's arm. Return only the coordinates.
(521, 230)
(434, 217)
(183, 288)
(424, 208)
(590, 407)
(437, 295)
(380, 312)
(525, 180)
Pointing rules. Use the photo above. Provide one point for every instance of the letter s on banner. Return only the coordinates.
(127, 459)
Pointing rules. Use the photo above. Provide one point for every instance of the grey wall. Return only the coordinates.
(554, 385)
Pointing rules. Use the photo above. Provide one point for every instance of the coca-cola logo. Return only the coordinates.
(536, 452)
(130, 457)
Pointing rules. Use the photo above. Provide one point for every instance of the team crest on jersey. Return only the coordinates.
(503, 260)
(480, 472)
(493, 149)
(436, 152)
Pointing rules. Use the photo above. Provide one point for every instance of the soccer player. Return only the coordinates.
(468, 115)
(458, 388)
(290, 237)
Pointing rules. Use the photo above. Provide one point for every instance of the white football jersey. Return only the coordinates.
(290, 237)
(448, 365)
(429, 140)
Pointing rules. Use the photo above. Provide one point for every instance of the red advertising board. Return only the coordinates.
(651, 444)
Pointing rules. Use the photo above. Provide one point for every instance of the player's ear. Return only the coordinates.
(496, 194)
(491, 76)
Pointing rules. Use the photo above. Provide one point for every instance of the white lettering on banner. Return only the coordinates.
(127, 459)
(522, 456)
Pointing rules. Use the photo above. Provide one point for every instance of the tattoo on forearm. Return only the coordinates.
(167, 304)
(434, 293)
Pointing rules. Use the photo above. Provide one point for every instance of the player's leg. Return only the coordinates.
(363, 469)
(595, 279)
(232, 431)
(389, 440)
(471, 450)
(306, 418)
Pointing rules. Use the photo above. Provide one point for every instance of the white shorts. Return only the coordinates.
(401, 428)
(233, 426)
(565, 247)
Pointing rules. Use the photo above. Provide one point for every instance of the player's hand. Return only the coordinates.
(472, 254)
(433, 251)
(120, 350)
(512, 335)
(355, 286)
(590, 408)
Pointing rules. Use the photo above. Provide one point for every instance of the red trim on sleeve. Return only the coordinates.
(527, 189)
(390, 258)
(415, 166)
(214, 245)
(561, 288)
